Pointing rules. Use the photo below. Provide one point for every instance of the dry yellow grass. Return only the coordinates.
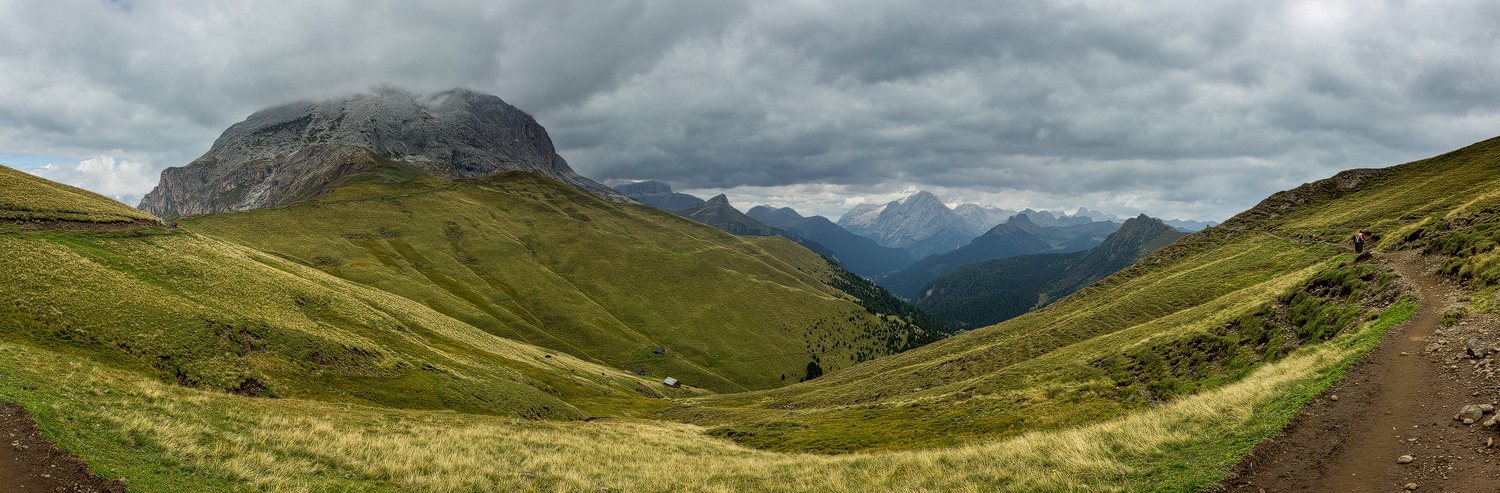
(28, 197)
(296, 445)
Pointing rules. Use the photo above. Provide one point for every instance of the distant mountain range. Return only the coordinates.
(858, 254)
(657, 194)
(981, 218)
(1018, 236)
(718, 213)
(1189, 226)
(920, 225)
(923, 225)
(990, 292)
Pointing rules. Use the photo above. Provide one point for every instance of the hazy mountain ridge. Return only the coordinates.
(900, 224)
(859, 254)
(1018, 236)
(990, 292)
(981, 218)
(298, 151)
(657, 194)
(923, 225)
(717, 212)
(1189, 226)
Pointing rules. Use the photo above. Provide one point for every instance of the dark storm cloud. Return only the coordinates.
(1080, 98)
(1198, 107)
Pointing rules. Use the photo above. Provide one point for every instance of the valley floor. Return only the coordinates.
(1398, 399)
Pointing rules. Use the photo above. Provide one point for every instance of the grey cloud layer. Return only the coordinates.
(1202, 107)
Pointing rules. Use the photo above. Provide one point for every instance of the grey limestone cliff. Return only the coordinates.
(299, 150)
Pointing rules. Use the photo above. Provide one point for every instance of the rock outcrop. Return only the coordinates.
(299, 150)
(920, 224)
(658, 194)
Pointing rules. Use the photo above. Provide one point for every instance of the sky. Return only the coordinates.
(1190, 110)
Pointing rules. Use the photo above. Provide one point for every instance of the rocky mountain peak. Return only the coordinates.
(774, 217)
(644, 187)
(299, 150)
(657, 194)
(922, 198)
(1144, 224)
(860, 217)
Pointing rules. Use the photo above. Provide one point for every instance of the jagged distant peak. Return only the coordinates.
(1143, 221)
(718, 200)
(921, 196)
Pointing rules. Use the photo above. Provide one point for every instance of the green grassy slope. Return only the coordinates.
(31, 199)
(1157, 378)
(1053, 367)
(1448, 205)
(1191, 316)
(530, 259)
(206, 313)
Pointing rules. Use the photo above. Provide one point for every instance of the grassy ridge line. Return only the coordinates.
(1040, 371)
(1129, 298)
(1388, 202)
(995, 389)
(167, 438)
(208, 313)
(1444, 205)
(530, 259)
(30, 198)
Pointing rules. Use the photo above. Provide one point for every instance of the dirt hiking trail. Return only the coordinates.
(30, 462)
(1398, 399)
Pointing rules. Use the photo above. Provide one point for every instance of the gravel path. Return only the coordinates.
(1397, 400)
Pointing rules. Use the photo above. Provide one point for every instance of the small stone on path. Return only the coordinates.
(1405, 459)
(1477, 348)
(1470, 413)
(1411, 486)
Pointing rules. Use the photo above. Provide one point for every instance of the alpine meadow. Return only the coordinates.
(509, 332)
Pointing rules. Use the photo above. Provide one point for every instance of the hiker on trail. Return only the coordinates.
(1359, 242)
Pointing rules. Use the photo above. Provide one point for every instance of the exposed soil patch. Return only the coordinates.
(1398, 399)
(31, 462)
